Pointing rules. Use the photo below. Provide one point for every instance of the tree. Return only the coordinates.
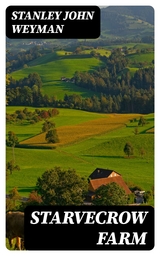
(9, 205)
(34, 78)
(142, 152)
(77, 50)
(136, 131)
(147, 196)
(33, 199)
(14, 196)
(110, 194)
(60, 187)
(10, 167)
(141, 121)
(12, 142)
(128, 149)
(52, 136)
(47, 126)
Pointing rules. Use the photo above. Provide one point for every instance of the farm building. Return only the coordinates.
(101, 177)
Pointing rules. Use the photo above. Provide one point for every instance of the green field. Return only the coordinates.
(87, 145)
(101, 51)
(145, 57)
(103, 150)
(51, 67)
(26, 130)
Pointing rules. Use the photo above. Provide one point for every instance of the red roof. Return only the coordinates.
(96, 183)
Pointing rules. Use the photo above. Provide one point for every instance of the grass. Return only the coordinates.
(34, 162)
(25, 131)
(52, 67)
(143, 57)
(60, 88)
(101, 51)
(54, 70)
(103, 148)
(73, 133)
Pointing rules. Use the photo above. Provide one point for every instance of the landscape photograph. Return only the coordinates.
(80, 116)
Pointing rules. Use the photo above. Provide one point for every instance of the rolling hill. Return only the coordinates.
(52, 67)
(127, 21)
(98, 142)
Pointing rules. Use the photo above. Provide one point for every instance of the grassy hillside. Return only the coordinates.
(69, 134)
(26, 130)
(145, 57)
(85, 153)
(52, 67)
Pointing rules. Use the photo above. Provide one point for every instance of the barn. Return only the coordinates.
(101, 177)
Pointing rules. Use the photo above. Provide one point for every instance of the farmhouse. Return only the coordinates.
(101, 177)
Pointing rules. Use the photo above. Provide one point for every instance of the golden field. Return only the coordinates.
(69, 134)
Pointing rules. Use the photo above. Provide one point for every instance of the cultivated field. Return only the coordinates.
(74, 133)
(87, 141)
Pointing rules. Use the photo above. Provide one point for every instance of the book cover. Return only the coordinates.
(80, 82)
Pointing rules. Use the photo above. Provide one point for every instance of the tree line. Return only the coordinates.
(114, 77)
(31, 117)
(115, 89)
(133, 101)
(16, 60)
(65, 187)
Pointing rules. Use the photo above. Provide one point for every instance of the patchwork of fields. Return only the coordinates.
(74, 133)
(87, 141)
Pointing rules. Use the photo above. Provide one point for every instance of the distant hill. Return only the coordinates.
(127, 21)
(145, 13)
(124, 22)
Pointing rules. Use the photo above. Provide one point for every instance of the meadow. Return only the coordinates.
(145, 57)
(99, 143)
(53, 66)
(26, 130)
